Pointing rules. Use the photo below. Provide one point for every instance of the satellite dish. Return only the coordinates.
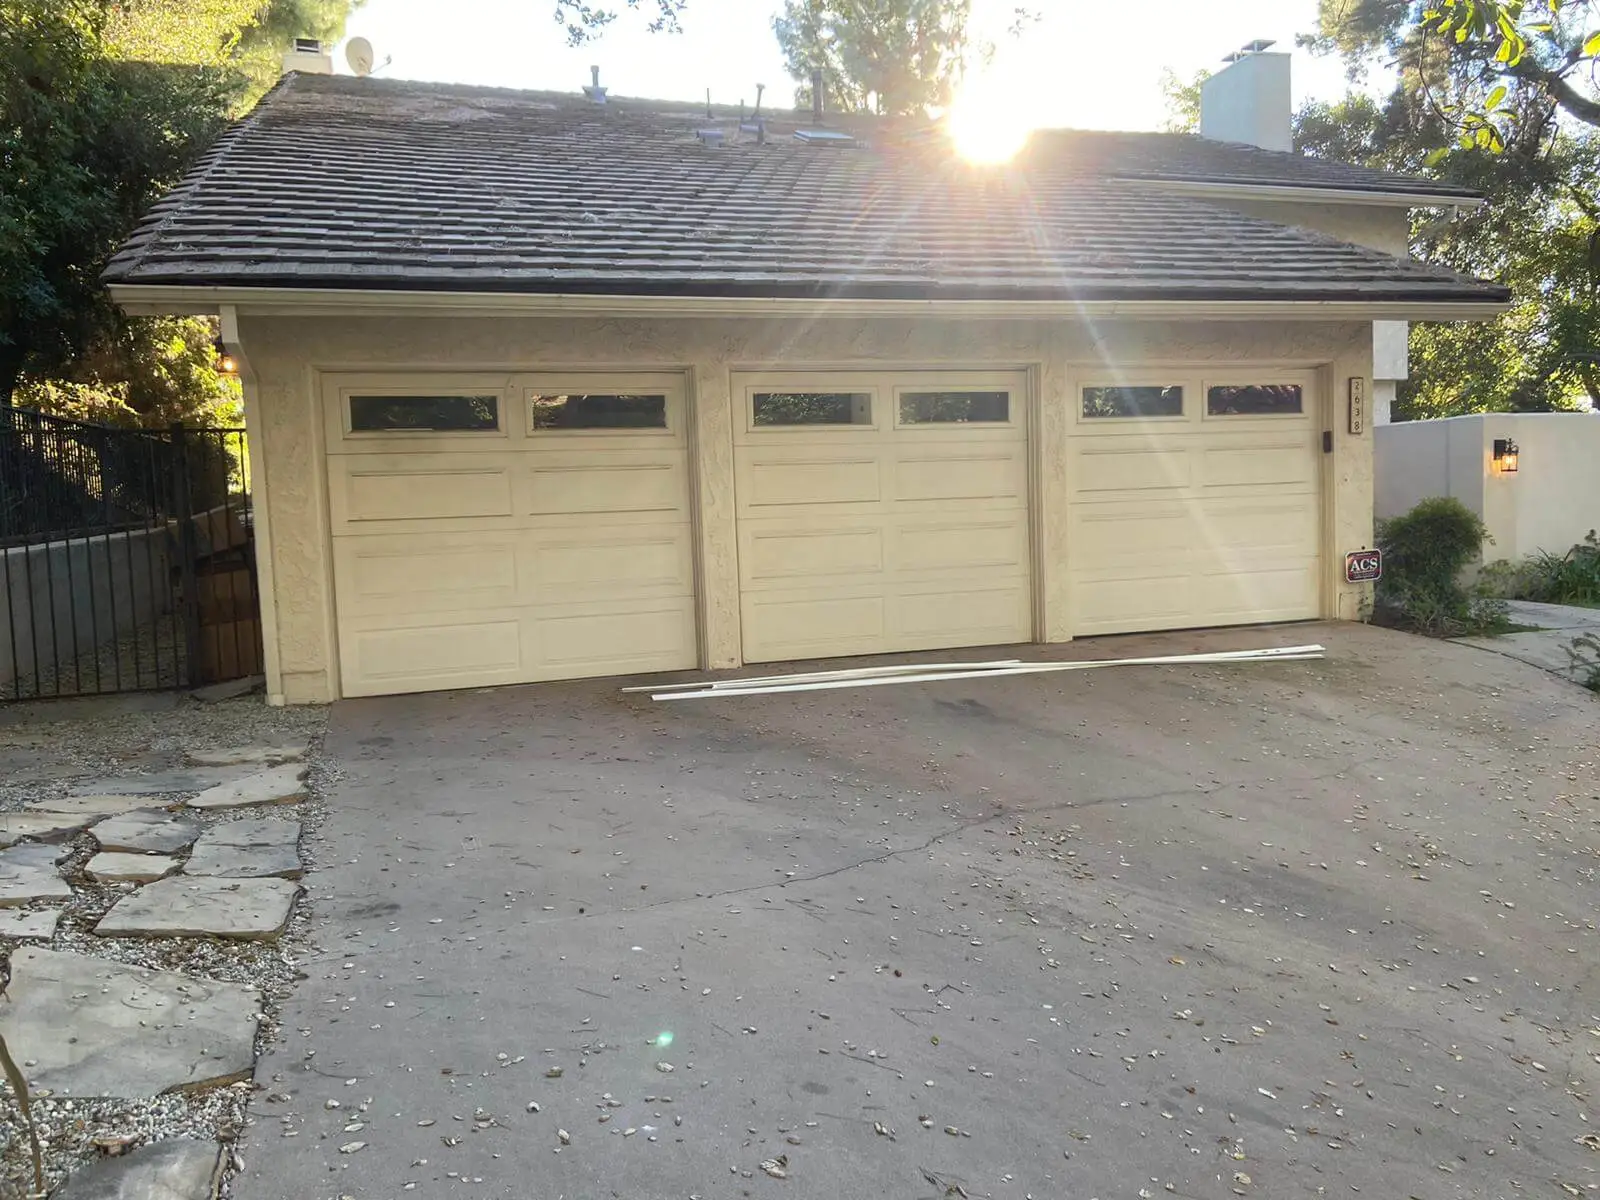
(358, 53)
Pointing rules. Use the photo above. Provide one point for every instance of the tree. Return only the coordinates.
(889, 57)
(1472, 56)
(584, 21)
(1539, 233)
(104, 104)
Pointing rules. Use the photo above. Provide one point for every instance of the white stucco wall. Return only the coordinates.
(1549, 504)
(284, 355)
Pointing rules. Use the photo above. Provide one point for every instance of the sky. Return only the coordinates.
(1083, 65)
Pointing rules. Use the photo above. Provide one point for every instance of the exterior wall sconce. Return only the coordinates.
(228, 365)
(1505, 456)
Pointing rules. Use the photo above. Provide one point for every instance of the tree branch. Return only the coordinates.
(1568, 97)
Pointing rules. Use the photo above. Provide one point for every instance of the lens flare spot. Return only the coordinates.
(664, 1038)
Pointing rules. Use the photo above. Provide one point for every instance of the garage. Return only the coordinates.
(494, 530)
(881, 512)
(1195, 500)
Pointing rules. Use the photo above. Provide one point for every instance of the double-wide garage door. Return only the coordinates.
(510, 529)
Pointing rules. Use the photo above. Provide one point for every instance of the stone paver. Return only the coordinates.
(45, 826)
(93, 1027)
(91, 805)
(160, 783)
(277, 785)
(254, 847)
(28, 872)
(181, 1169)
(148, 830)
(249, 909)
(15, 923)
(257, 756)
(112, 866)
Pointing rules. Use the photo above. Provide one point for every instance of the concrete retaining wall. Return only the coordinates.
(94, 590)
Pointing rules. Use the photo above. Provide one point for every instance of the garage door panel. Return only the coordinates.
(1102, 468)
(768, 482)
(802, 625)
(1103, 534)
(1273, 529)
(365, 490)
(1263, 594)
(607, 487)
(637, 566)
(1281, 465)
(424, 574)
(951, 477)
(1122, 603)
(381, 659)
(811, 552)
(635, 638)
(961, 618)
(955, 545)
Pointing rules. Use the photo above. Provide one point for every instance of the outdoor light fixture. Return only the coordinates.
(228, 365)
(1505, 456)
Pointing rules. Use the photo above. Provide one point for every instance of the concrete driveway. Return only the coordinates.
(1296, 929)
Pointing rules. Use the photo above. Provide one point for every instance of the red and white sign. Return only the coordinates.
(1363, 566)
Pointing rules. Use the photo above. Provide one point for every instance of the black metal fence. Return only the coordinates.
(126, 557)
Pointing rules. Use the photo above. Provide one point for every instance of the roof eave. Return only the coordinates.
(144, 299)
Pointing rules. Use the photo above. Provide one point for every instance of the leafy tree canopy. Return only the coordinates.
(103, 105)
(890, 57)
(1473, 56)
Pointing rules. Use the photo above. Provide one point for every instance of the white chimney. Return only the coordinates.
(1248, 100)
(308, 58)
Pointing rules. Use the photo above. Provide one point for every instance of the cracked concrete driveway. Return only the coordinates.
(1276, 930)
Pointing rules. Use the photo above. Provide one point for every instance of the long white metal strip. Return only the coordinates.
(842, 673)
(1283, 654)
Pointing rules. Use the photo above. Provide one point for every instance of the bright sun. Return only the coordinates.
(988, 122)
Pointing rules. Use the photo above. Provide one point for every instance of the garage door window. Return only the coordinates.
(954, 408)
(424, 414)
(593, 410)
(1141, 401)
(1254, 400)
(773, 409)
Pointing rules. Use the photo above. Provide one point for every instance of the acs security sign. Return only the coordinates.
(1363, 566)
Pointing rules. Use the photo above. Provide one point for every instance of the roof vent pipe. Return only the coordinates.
(593, 90)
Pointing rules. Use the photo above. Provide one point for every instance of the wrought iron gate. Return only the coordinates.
(126, 558)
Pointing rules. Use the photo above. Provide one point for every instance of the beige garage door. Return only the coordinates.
(1195, 500)
(491, 530)
(881, 512)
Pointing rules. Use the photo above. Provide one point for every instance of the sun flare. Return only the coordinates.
(988, 122)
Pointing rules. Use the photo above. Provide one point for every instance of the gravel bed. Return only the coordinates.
(119, 738)
(148, 657)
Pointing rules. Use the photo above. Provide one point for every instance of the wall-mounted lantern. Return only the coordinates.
(228, 365)
(1505, 456)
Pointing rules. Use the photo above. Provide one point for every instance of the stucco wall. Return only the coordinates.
(284, 355)
(1549, 504)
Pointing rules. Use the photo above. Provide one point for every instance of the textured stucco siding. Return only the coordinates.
(286, 354)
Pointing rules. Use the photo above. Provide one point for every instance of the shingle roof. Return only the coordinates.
(371, 183)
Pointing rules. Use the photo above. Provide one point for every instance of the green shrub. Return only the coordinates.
(1585, 652)
(1424, 554)
(1570, 578)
